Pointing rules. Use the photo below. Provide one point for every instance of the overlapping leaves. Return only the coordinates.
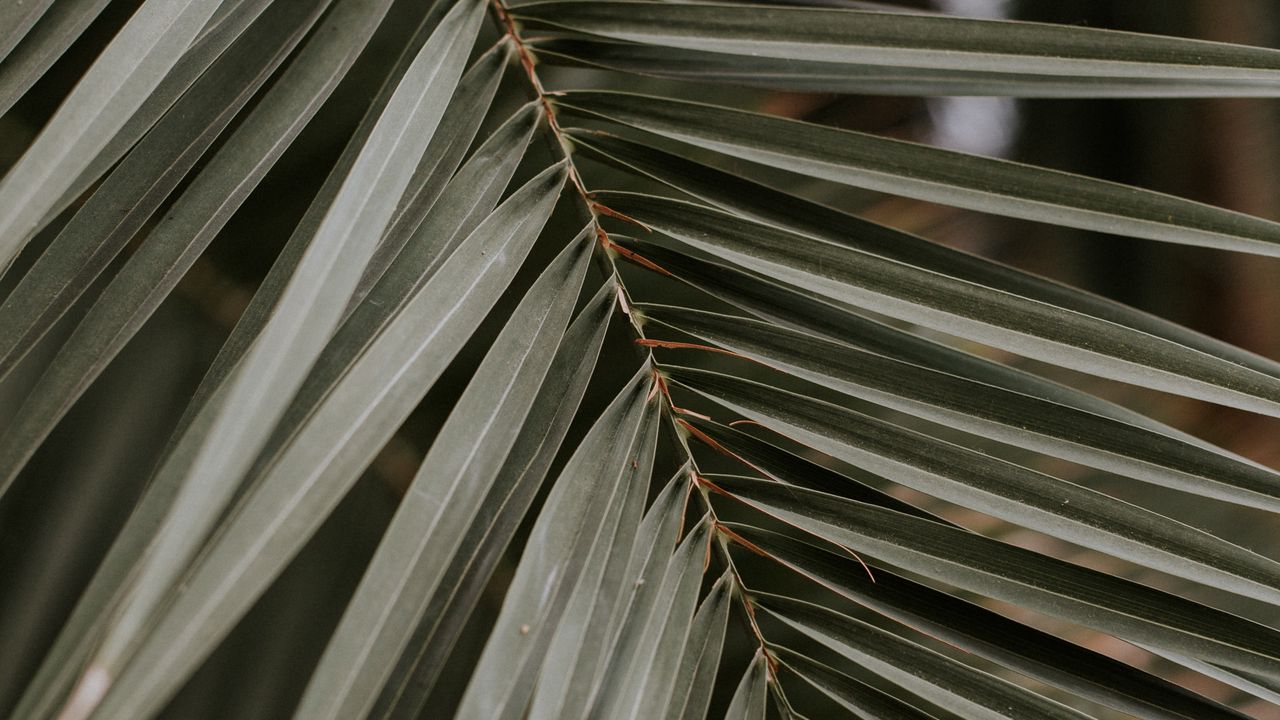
(618, 603)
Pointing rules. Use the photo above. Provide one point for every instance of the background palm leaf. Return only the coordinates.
(563, 366)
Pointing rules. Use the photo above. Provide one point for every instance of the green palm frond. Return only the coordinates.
(667, 437)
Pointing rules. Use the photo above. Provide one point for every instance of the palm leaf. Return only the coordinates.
(851, 694)
(930, 675)
(986, 566)
(134, 190)
(581, 521)
(926, 173)
(696, 676)
(625, 590)
(41, 47)
(454, 478)
(852, 500)
(987, 634)
(749, 699)
(137, 290)
(907, 40)
(502, 510)
(306, 483)
(135, 63)
(908, 293)
(980, 409)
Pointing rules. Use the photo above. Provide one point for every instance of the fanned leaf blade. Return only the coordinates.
(651, 558)
(41, 48)
(606, 610)
(16, 19)
(694, 65)
(205, 206)
(920, 670)
(789, 307)
(695, 680)
(121, 79)
(271, 523)
(447, 149)
(581, 511)
(772, 461)
(1022, 577)
(1002, 489)
(501, 511)
(227, 24)
(642, 681)
(765, 204)
(748, 701)
(983, 410)
(308, 311)
(987, 634)
(852, 694)
(456, 130)
(444, 497)
(129, 196)
(947, 44)
(918, 171)
(406, 257)
(465, 202)
(72, 645)
(1260, 687)
(1030, 328)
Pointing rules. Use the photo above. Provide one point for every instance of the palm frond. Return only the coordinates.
(852, 498)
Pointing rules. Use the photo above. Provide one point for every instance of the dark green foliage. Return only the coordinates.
(480, 437)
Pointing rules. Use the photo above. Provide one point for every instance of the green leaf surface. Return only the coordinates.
(650, 559)
(61, 24)
(273, 521)
(310, 307)
(502, 590)
(853, 695)
(579, 520)
(642, 684)
(598, 617)
(748, 701)
(995, 487)
(586, 628)
(935, 42)
(17, 17)
(755, 201)
(935, 677)
(987, 634)
(131, 194)
(983, 410)
(789, 307)
(785, 74)
(501, 512)
(138, 58)
(447, 149)
(918, 171)
(458, 126)
(205, 206)
(227, 24)
(1262, 688)
(444, 497)
(308, 311)
(1037, 582)
(696, 677)
(88, 617)
(464, 203)
(1039, 330)
(770, 460)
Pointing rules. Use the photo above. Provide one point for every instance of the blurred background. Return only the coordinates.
(73, 497)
